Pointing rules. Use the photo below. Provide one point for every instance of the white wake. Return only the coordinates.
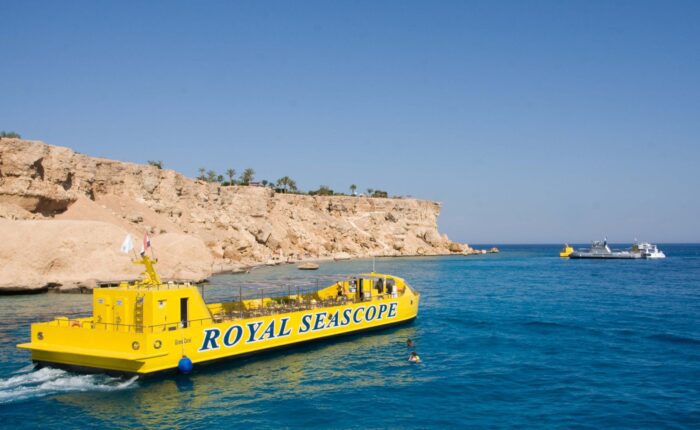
(28, 383)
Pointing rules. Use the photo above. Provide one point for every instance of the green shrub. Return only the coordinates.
(323, 190)
(10, 135)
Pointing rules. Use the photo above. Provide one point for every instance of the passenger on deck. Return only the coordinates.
(380, 286)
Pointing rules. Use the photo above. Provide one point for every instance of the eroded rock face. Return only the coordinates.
(235, 225)
(80, 254)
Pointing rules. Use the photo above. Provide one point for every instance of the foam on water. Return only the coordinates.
(46, 381)
(25, 369)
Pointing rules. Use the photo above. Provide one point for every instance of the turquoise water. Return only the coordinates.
(519, 339)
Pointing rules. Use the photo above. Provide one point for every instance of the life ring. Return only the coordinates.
(75, 324)
(157, 344)
(135, 345)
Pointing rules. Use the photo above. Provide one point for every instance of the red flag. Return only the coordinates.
(146, 244)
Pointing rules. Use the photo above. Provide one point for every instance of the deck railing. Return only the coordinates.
(230, 311)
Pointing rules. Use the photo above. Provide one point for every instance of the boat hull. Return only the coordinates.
(583, 255)
(227, 359)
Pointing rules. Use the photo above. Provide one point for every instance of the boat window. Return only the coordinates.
(183, 312)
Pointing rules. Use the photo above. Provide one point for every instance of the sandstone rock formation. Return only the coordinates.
(64, 212)
(81, 254)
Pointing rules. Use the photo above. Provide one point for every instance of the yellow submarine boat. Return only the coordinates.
(566, 252)
(149, 326)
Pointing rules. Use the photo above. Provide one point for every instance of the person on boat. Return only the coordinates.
(414, 358)
(410, 343)
(380, 286)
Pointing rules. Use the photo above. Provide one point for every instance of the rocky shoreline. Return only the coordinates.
(63, 216)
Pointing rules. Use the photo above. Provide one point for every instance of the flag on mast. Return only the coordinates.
(128, 244)
(146, 244)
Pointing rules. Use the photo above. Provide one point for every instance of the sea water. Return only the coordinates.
(516, 339)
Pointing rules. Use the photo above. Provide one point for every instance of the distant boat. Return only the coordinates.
(601, 250)
(566, 252)
(648, 251)
(308, 266)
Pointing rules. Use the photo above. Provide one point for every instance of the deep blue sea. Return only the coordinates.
(518, 339)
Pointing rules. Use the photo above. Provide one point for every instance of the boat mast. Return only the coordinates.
(150, 276)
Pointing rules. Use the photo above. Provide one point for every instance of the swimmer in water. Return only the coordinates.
(410, 343)
(414, 358)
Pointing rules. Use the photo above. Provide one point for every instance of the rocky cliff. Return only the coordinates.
(63, 216)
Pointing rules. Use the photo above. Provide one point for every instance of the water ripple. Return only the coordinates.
(517, 340)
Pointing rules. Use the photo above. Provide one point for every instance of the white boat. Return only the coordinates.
(648, 250)
(601, 250)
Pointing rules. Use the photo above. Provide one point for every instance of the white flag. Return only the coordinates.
(128, 244)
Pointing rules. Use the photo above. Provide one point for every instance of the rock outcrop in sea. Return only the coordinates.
(63, 216)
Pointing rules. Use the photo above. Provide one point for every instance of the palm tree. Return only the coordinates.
(247, 176)
(211, 176)
(283, 182)
(353, 188)
(231, 173)
(201, 176)
(370, 191)
(286, 184)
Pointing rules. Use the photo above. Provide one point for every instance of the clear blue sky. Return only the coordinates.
(531, 121)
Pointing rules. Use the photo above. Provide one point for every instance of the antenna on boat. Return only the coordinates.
(373, 264)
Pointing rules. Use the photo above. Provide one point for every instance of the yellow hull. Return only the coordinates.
(85, 344)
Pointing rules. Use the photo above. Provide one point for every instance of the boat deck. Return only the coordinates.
(230, 311)
(288, 305)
